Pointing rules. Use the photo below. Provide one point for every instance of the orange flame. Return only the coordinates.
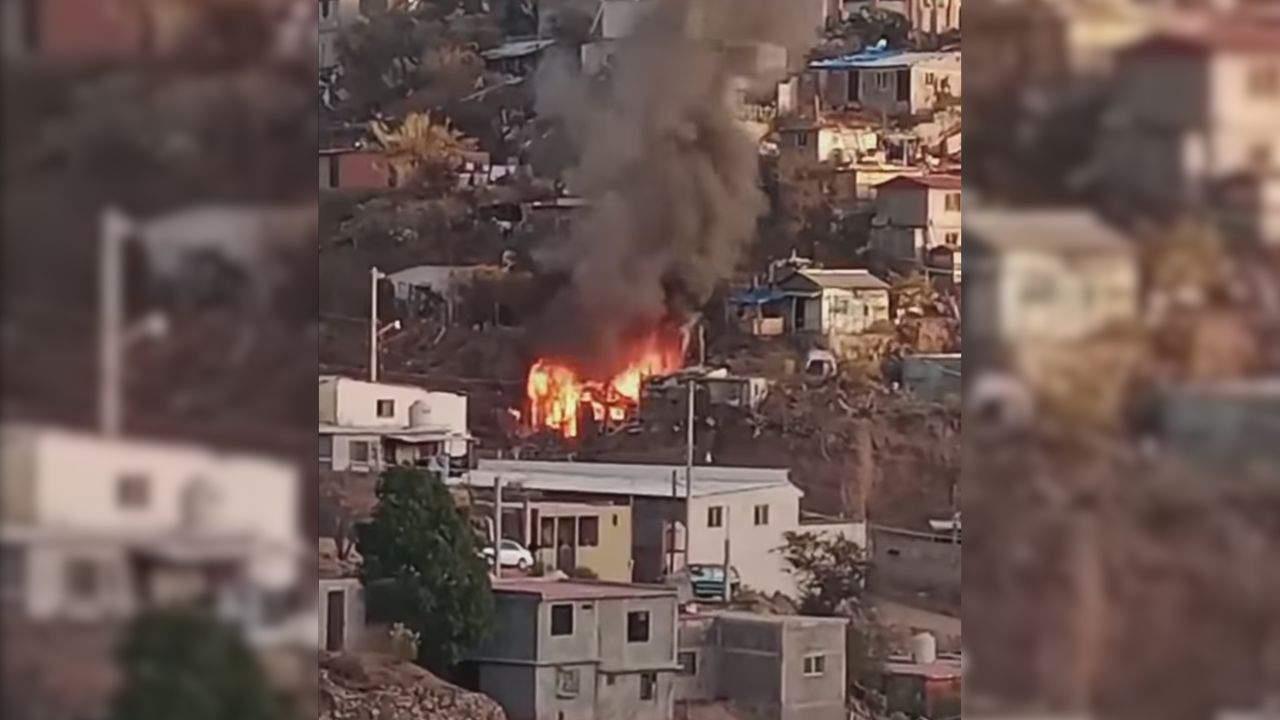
(557, 392)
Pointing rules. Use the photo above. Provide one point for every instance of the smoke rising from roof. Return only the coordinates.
(671, 175)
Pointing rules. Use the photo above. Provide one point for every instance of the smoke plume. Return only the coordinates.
(671, 175)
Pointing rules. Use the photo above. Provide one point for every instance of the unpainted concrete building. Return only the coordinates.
(771, 667)
(576, 650)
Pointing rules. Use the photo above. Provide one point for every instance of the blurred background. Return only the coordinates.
(159, 285)
(1122, 288)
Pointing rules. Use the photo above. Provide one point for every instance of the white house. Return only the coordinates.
(1045, 275)
(833, 302)
(915, 215)
(97, 528)
(366, 426)
(749, 508)
(889, 81)
(1191, 107)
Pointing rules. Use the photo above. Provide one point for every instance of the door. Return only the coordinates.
(566, 543)
(855, 86)
(336, 626)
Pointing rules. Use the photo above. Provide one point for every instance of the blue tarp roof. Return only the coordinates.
(874, 58)
(757, 296)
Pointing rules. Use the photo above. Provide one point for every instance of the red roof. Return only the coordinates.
(936, 182)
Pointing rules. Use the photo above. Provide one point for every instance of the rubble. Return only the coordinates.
(364, 686)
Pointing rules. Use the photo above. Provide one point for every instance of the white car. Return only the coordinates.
(512, 554)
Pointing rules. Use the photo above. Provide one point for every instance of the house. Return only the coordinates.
(915, 215)
(367, 427)
(1225, 424)
(517, 57)
(750, 509)
(577, 650)
(932, 377)
(908, 562)
(563, 536)
(833, 302)
(665, 398)
(354, 168)
(1248, 207)
(803, 144)
(1042, 275)
(772, 667)
(97, 529)
(424, 287)
(1193, 106)
(891, 82)
(931, 689)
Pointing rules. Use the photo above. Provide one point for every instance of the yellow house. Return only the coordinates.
(578, 535)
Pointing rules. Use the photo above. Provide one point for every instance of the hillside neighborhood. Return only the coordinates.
(637, 330)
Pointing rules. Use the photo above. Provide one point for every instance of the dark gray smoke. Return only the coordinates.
(671, 175)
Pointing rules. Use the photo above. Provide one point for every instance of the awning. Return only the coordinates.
(757, 296)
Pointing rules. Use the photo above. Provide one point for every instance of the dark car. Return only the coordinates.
(708, 581)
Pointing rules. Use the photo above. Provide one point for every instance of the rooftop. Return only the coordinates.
(1053, 230)
(842, 279)
(517, 48)
(744, 616)
(937, 670)
(868, 59)
(623, 478)
(551, 589)
(936, 182)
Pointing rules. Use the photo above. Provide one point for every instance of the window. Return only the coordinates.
(882, 79)
(386, 408)
(762, 515)
(814, 665)
(855, 86)
(359, 452)
(567, 682)
(615, 519)
(326, 449)
(588, 531)
(547, 532)
(326, 8)
(904, 85)
(715, 516)
(648, 685)
(610, 679)
(638, 626)
(930, 79)
(1264, 80)
(335, 179)
(840, 306)
(688, 663)
(953, 202)
(952, 239)
(82, 579)
(132, 491)
(562, 619)
(13, 569)
(802, 139)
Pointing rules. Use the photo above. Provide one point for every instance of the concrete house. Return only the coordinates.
(891, 82)
(771, 667)
(749, 508)
(1045, 275)
(97, 529)
(367, 427)
(834, 302)
(563, 535)
(353, 168)
(911, 562)
(915, 215)
(1191, 107)
(932, 376)
(575, 650)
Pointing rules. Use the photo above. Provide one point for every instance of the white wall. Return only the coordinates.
(751, 546)
(353, 608)
(1043, 297)
(354, 403)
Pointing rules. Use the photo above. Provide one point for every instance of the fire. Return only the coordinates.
(557, 392)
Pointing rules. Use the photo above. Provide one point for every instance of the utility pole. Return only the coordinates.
(113, 229)
(728, 532)
(688, 469)
(497, 527)
(374, 276)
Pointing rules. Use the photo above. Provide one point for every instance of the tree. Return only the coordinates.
(422, 150)
(421, 568)
(830, 572)
(185, 663)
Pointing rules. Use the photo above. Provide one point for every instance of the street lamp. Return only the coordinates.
(375, 332)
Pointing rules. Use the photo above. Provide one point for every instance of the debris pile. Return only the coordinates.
(358, 686)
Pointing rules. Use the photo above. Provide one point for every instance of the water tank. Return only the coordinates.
(924, 647)
(419, 414)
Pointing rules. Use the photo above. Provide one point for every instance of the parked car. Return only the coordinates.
(708, 581)
(511, 554)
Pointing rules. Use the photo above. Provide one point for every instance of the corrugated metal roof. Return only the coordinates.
(1051, 230)
(625, 479)
(871, 59)
(844, 279)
